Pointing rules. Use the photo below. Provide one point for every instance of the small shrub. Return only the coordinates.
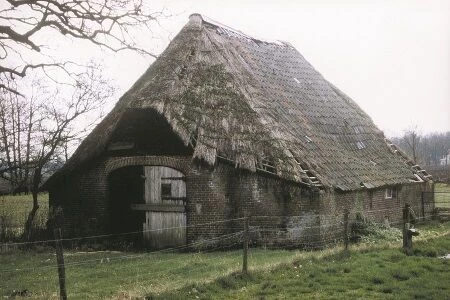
(425, 252)
(227, 282)
(370, 232)
(400, 276)
(396, 257)
(377, 280)
(266, 285)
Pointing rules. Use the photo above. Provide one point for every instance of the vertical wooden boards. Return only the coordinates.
(164, 228)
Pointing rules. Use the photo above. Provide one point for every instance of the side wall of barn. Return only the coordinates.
(218, 198)
(279, 213)
(371, 205)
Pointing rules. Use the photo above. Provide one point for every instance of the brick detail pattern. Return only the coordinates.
(179, 163)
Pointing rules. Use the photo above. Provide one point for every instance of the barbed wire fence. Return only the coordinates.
(229, 252)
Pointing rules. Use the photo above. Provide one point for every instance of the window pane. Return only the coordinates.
(166, 189)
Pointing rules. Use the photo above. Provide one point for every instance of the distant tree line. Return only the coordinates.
(425, 149)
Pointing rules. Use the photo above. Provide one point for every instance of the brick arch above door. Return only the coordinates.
(179, 163)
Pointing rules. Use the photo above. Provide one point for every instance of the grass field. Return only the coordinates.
(98, 275)
(16, 208)
(369, 270)
(375, 269)
(442, 195)
(14, 211)
(385, 273)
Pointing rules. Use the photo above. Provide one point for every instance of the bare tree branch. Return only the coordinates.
(104, 23)
(35, 131)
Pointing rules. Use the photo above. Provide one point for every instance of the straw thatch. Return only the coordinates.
(262, 106)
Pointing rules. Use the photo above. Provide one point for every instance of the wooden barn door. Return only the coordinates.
(165, 217)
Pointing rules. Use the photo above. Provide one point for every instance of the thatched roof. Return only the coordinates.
(262, 106)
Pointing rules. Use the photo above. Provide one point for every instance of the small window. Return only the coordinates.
(166, 190)
(391, 193)
(370, 193)
(388, 193)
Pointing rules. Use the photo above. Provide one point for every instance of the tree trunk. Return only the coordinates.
(28, 230)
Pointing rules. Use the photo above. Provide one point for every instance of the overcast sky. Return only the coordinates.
(391, 57)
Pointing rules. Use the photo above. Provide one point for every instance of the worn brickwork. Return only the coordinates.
(80, 201)
(371, 205)
(217, 200)
(280, 213)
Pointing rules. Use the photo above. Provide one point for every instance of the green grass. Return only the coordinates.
(123, 273)
(14, 211)
(375, 269)
(382, 272)
(18, 207)
(369, 270)
(442, 195)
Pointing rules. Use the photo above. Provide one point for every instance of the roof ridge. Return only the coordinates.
(218, 24)
(239, 33)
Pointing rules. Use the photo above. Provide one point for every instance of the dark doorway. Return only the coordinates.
(126, 187)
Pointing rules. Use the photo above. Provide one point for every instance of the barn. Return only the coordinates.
(224, 125)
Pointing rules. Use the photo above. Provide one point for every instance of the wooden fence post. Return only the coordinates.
(407, 237)
(423, 206)
(346, 213)
(405, 212)
(60, 263)
(245, 246)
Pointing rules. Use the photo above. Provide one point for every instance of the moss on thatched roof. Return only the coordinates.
(262, 106)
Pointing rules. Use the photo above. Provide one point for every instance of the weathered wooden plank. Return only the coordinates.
(165, 198)
(159, 207)
(165, 216)
(174, 178)
(166, 229)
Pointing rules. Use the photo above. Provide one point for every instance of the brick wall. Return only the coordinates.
(80, 201)
(371, 205)
(281, 213)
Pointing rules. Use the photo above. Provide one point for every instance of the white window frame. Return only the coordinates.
(388, 193)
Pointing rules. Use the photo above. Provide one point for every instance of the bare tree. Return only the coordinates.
(412, 141)
(42, 128)
(24, 23)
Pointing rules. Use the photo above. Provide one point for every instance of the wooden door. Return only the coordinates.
(165, 217)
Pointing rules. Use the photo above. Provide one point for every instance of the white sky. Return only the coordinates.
(391, 57)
